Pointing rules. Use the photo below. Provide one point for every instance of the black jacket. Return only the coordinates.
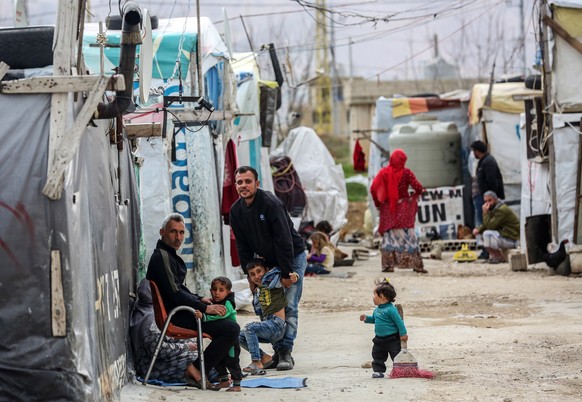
(489, 176)
(265, 229)
(171, 283)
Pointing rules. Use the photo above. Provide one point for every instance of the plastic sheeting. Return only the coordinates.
(504, 138)
(567, 61)
(322, 179)
(94, 226)
(566, 146)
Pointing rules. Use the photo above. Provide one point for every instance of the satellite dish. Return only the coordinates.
(145, 59)
(20, 19)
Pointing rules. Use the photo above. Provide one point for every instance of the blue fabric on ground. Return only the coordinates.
(272, 382)
(162, 383)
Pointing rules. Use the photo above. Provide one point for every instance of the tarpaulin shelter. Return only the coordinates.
(322, 179)
(68, 234)
(183, 171)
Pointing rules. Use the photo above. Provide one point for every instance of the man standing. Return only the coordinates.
(168, 271)
(500, 228)
(262, 227)
(488, 178)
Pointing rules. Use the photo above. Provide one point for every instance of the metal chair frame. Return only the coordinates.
(175, 331)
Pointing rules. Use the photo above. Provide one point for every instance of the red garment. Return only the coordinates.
(229, 195)
(359, 158)
(389, 191)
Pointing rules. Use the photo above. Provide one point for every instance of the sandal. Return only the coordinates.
(252, 369)
(198, 384)
(421, 271)
(388, 269)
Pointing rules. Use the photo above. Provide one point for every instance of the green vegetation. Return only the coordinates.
(340, 150)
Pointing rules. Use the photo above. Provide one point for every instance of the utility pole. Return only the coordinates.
(522, 39)
(323, 98)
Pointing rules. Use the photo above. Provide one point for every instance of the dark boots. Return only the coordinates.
(286, 361)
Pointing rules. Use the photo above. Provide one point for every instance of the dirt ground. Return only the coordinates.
(489, 334)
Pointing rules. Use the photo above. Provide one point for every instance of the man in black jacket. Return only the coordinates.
(168, 271)
(488, 179)
(262, 227)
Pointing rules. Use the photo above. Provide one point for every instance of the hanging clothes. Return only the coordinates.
(359, 158)
(229, 195)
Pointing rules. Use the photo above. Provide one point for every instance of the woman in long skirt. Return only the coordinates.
(397, 207)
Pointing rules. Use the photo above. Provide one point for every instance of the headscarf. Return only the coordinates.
(386, 187)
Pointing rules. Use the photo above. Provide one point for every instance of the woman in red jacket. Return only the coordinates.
(398, 209)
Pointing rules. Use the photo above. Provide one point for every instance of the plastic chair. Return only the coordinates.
(173, 331)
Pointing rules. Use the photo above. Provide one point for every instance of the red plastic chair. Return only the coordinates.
(173, 331)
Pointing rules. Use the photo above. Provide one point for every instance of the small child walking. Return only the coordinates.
(221, 292)
(388, 327)
(321, 257)
(269, 303)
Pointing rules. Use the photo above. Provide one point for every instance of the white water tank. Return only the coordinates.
(433, 149)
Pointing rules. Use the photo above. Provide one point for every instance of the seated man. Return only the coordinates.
(168, 271)
(499, 230)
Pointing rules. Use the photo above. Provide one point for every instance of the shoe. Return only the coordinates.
(483, 256)
(421, 271)
(272, 364)
(286, 361)
(378, 375)
(493, 261)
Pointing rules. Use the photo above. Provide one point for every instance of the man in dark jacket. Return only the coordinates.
(262, 227)
(500, 228)
(168, 271)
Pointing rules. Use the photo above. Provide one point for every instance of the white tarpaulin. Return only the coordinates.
(322, 179)
(440, 208)
(566, 140)
(567, 61)
(503, 137)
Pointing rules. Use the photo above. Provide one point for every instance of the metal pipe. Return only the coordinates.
(130, 38)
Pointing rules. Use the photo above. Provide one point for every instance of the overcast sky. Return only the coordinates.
(376, 39)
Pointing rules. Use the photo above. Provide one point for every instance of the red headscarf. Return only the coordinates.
(385, 186)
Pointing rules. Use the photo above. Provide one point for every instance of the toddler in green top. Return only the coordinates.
(388, 327)
(221, 292)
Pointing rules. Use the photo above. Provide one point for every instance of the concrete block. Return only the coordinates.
(518, 262)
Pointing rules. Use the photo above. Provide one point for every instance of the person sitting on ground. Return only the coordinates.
(325, 227)
(269, 303)
(175, 354)
(388, 327)
(221, 292)
(321, 257)
(499, 230)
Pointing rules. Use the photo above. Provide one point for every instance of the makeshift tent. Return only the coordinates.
(566, 59)
(183, 172)
(68, 265)
(391, 112)
(501, 130)
(322, 179)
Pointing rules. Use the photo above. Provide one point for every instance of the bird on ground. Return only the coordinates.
(557, 257)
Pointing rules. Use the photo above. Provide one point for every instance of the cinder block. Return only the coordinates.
(518, 262)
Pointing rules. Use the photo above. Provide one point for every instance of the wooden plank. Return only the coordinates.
(70, 141)
(3, 69)
(562, 33)
(60, 84)
(58, 311)
(134, 130)
(192, 115)
(64, 47)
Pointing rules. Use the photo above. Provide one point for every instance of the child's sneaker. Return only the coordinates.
(378, 375)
